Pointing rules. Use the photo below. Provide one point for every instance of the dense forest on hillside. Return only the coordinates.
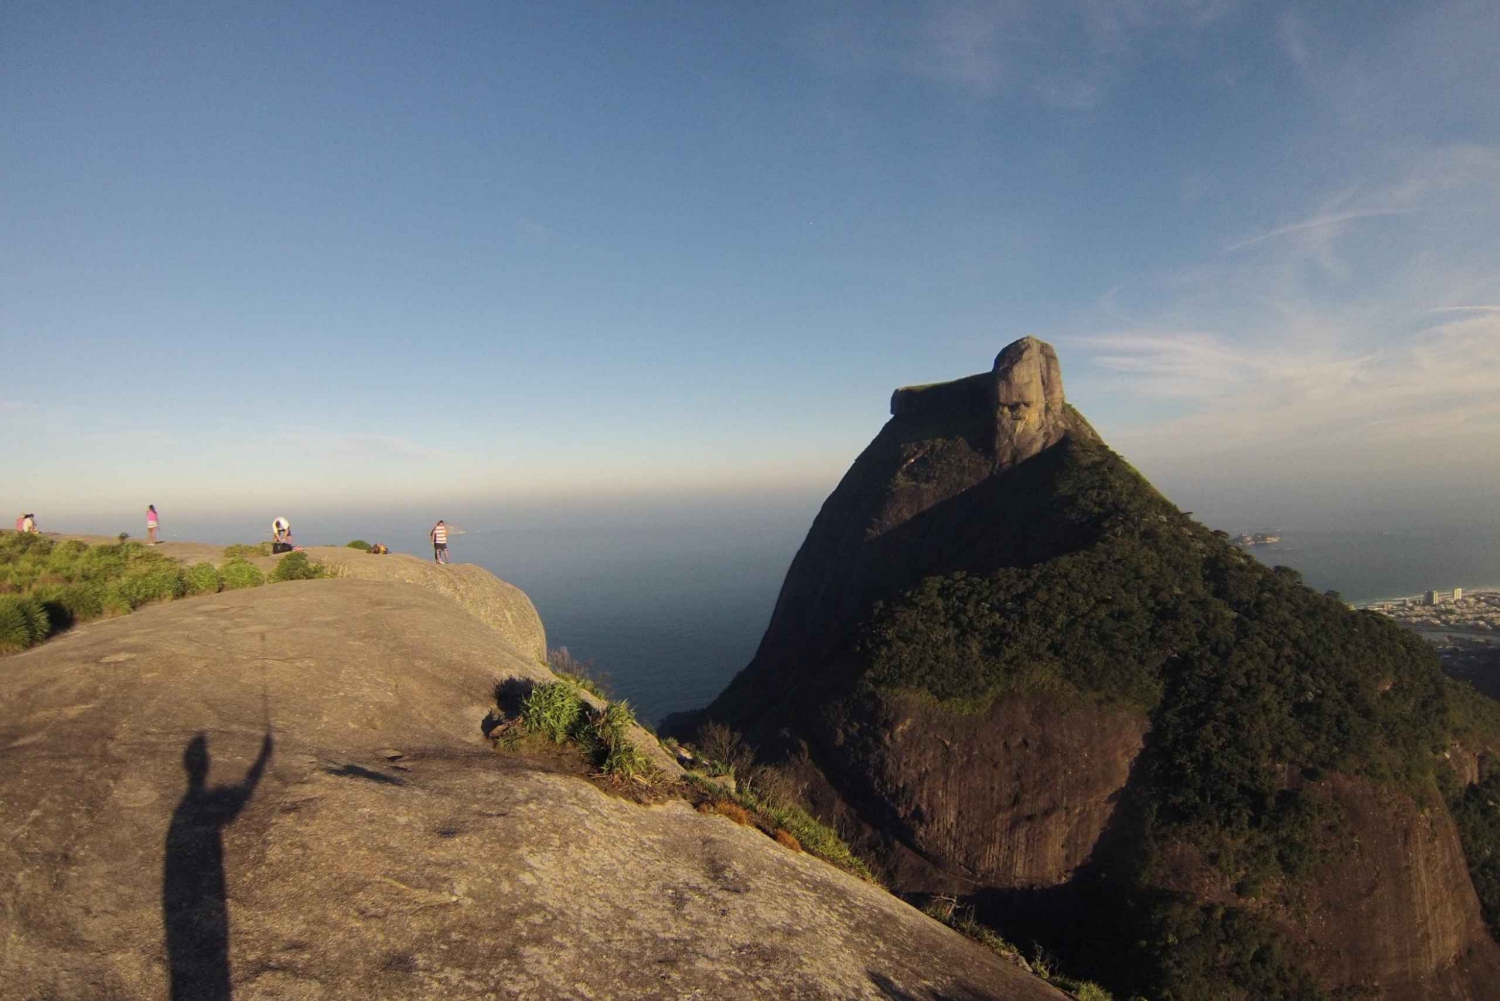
(1257, 688)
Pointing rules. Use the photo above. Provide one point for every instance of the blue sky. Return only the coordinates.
(326, 255)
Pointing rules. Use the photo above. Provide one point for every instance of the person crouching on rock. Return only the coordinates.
(439, 535)
(281, 534)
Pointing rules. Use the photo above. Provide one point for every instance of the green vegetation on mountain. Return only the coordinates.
(47, 586)
(1248, 678)
(1476, 811)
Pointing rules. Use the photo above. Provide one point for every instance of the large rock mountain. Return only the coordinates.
(1014, 672)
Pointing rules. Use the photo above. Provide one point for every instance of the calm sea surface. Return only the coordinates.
(671, 608)
(672, 614)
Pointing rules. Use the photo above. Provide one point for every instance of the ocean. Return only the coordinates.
(672, 613)
(671, 604)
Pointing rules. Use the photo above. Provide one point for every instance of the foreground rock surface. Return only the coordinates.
(376, 846)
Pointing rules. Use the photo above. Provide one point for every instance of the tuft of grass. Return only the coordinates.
(787, 839)
(552, 710)
(615, 753)
(23, 622)
(359, 544)
(241, 551)
(202, 578)
(296, 566)
(238, 574)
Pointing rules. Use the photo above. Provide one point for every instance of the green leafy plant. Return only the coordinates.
(296, 566)
(238, 574)
(202, 578)
(359, 544)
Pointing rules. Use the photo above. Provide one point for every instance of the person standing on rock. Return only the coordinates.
(151, 523)
(439, 536)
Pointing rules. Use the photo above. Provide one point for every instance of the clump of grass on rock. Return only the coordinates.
(238, 574)
(23, 622)
(242, 551)
(559, 712)
(296, 566)
(202, 578)
(359, 544)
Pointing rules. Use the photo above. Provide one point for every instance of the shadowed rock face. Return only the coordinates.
(1025, 800)
(284, 792)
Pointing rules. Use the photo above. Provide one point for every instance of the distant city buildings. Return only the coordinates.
(1446, 612)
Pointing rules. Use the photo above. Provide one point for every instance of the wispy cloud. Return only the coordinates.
(1442, 384)
(1466, 309)
(1067, 53)
(1318, 222)
(11, 406)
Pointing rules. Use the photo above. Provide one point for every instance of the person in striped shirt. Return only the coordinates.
(439, 536)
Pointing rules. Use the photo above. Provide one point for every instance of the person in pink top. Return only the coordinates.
(151, 523)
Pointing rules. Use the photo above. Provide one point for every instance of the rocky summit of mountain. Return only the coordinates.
(1017, 675)
(287, 792)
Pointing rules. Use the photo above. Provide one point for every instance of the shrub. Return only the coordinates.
(202, 578)
(359, 544)
(295, 566)
(149, 584)
(240, 573)
(23, 622)
(241, 551)
(552, 710)
(726, 752)
(785, 838)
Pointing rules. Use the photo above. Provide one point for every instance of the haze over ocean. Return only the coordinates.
(672, 603)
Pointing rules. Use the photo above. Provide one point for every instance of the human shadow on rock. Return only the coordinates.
(194, 902)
